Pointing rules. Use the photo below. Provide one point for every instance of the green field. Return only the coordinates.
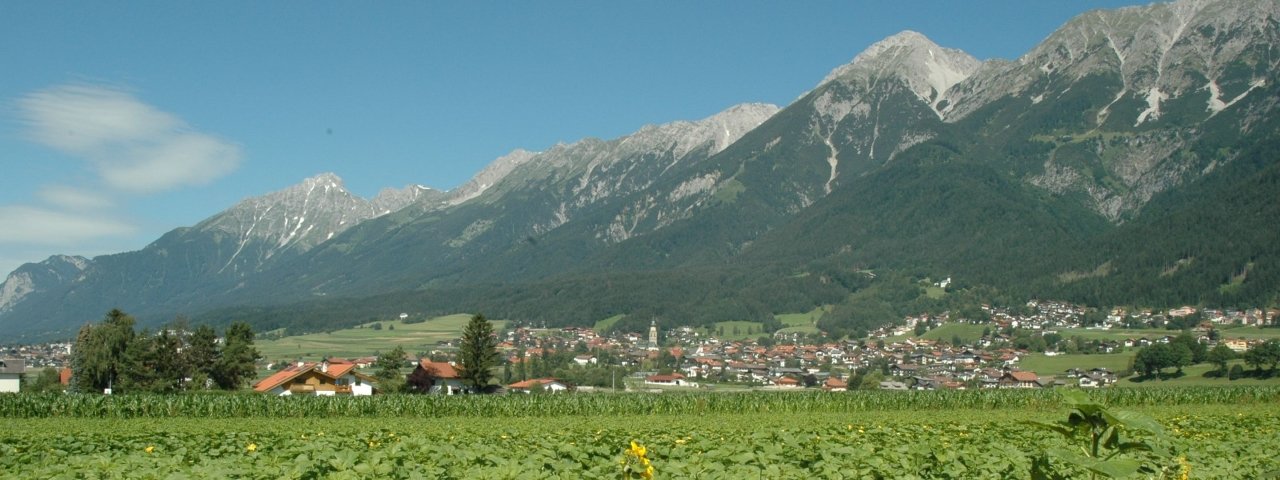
(803, 323)
(1249, 332)
(603, 326)
(364, 340)
(1056, 366)
(806, 319)
(1115, 333)
(1194, 376)
(1205, 433)
(967, 332)
(744, 330)
(1121, 334)
(935, 292)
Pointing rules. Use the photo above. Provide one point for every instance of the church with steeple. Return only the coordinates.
(653, 334)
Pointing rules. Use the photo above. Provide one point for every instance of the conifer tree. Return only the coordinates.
(478, 353)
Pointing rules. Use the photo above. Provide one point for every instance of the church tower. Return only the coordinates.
(653, 334)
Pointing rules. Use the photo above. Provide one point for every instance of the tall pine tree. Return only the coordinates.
(478, 353)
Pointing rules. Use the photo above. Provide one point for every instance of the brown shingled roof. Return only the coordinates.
(439, 369)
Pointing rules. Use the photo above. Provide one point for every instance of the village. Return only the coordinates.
(891, 358)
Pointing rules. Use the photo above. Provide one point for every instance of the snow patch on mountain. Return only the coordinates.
(298, 218)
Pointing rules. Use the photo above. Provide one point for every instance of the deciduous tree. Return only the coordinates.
(1219, 356)
(98, 354)
(202, 356)
(235, 367)
(387, 370)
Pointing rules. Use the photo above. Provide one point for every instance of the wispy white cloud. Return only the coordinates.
(71, 198)
(183, 159)
(128, 148)
(44, 226)
(133, 146)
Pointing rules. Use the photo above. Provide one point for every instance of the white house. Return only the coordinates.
(674, 379)
(11, 371)
(549, 385)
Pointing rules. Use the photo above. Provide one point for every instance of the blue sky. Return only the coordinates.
(120, 121)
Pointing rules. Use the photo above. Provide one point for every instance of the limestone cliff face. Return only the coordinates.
(52, 273)
(1143, 80)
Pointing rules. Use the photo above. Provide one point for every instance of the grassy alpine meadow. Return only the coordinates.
(1206, 433)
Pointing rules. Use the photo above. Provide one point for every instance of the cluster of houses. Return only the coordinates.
(1048, 315)
(910, 364)
(692, 359)
(334, 376)
(39, 356)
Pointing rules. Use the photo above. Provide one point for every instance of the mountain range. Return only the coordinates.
(1131, 158)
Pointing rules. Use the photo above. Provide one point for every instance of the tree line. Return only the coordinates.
(111, 355)
(1184, 350)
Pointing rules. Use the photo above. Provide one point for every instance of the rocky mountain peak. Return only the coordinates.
(928, 69)
(391, 199)
(490, 176)
(330, 179)
(1217, 49)
(736, 121)
(717, 131)
(30, 278)
(296, 218)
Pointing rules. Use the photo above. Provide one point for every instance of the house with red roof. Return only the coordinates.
(1018, 379)
(549, 385)
(330, 377)
(674, 379)
(442, 376)
(787, 382)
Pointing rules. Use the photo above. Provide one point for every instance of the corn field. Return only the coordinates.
(508, 406)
